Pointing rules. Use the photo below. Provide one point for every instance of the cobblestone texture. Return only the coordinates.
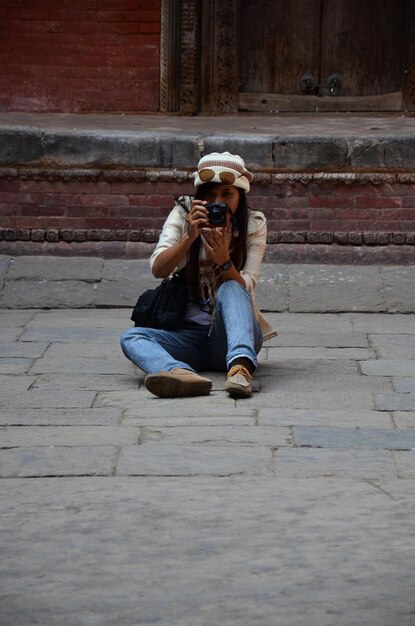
(293, 507)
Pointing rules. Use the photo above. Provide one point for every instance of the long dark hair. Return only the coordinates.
(238, 244)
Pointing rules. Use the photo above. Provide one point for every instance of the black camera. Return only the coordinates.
(217, 213)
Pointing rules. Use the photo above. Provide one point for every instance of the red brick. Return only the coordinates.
(371, 202)
(104, 200)
(86, 211)
(34, 211)
(9, 209)
(355, 214)
(288, 224)
(152, 212)
(9, 186)
(331, 201)
(146, 200)
(331, 225)
(398, 214)
(151, 27)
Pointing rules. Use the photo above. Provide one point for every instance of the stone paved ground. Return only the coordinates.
(292, 508)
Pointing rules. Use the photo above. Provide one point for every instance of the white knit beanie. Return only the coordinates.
(223, 167)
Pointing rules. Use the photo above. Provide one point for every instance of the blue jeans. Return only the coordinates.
(235, 333)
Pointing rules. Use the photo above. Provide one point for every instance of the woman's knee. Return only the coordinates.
(132, 334)
(231, 289)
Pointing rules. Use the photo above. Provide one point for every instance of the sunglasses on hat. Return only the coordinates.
(228, 178)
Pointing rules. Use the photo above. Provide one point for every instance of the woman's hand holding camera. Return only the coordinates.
(217, 242)
(197, 218)
(216, 239)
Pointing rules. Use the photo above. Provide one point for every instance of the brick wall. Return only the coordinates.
(109, 209)
(79, 55)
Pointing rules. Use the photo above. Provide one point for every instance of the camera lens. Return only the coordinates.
(217, 213)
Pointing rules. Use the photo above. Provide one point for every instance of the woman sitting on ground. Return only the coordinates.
(222, 330)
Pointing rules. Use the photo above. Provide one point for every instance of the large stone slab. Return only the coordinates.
(14, 365)
(299, 153)
(75, 325)
(399, 288)
(332, 418)
(11, 319)
(28, 350)
(376, 323)
(271, 365)
(405, 464)
(49, 399)
(404, 419)
(304, 399)
(395, 401)
(77, 365)
(312, 322)
(123, 281)
(131, 269)
(259, 148)
(374, 438)
(313, 462)
(20, 145)
(316, 354)
(34, 436)
(220, 436)
(271, 292)
(55, 268)
(393, 346)
(25, 293)
(121, 293)
(144, 403)
(388, 367)
(57, 461)
(153, 417)
(15, 384)
(92, 382)
(80, 318)
(8, 333)
(66, 334)
(404, 385)
(81, 350)
(321, 339)
(341, 288)
(109, 416)
(201, 460)
(399, 152)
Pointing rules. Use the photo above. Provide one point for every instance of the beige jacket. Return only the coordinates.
(176, 226)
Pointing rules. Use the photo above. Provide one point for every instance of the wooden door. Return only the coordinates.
(322, 55)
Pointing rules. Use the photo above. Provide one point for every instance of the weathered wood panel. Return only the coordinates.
(364, 42)
(279, 43)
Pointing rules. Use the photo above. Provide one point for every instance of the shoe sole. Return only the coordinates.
(168, 387)
(237, 391)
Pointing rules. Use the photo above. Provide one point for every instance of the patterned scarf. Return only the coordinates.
(210, 276)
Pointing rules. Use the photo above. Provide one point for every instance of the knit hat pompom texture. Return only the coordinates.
(223, 167)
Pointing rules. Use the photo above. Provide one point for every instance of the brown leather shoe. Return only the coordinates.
(177, 383)
(238, 382)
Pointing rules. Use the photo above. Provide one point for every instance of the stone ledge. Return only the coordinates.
(277, 143)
